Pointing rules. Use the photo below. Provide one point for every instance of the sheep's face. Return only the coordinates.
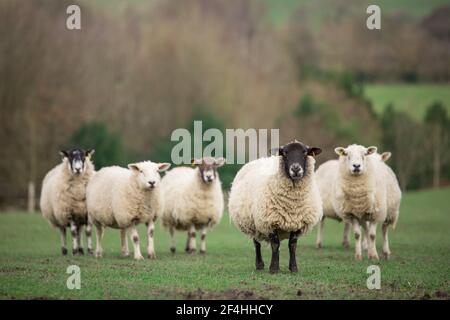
(147, 173)
(354, 157)
(77, 159)
(294, 156)
(207, 168)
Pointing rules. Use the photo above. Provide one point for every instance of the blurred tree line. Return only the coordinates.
(125, 81)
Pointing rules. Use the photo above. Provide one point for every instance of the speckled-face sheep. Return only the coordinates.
(360, 194)
(326, 175)
(276, 198)
(63, 197)
(122, 198)
(193, 200)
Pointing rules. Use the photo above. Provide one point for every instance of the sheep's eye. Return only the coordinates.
(141, 171)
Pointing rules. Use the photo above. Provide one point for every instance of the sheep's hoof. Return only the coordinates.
(260, 265)
(202, 252)
(125, 254)
(274, 270)
(293, 269)
(190, 251)
(98, 254)
(172, 249)
(319, 245)
(64, 251)
(75, 252)
(137, 258)
(90, 252)
(358, 257)
(346, 245)
(151, 256)
(81, 251)
(373, 257)
(386, 255)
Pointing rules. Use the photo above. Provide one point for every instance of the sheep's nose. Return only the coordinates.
(151, 184)
(356, 166)
(295, 168)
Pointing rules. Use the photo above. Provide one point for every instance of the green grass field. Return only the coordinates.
(411, 98)
(31, 266)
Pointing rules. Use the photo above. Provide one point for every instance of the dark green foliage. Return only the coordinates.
(108, 145)
(162, 151)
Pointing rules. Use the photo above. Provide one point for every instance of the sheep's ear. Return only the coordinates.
(340, 151)
(133, 167)
(63, 154)
(385, 156)
(163, 166)
(219, 162)
(90, 152)
(196, 162)
(314, 151)
(371, 150)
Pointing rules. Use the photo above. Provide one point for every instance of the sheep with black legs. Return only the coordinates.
(122, 199)
(193, 200)
(276, 198)
(63, 197)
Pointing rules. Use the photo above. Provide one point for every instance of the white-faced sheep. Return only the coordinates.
(360, 194)
(277, 198)
(193, 200)
(123, 198)
(326, 175)
(63, 197)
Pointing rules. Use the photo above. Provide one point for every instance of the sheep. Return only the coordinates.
(63, 197)
(326, 175)
(193, 201)
(394, 195)
(122, 198)
(276, 198)
(360, 194)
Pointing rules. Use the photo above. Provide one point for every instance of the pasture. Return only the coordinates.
(31, 266)
(413, 99)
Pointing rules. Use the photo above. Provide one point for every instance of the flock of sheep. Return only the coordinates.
(271, 199)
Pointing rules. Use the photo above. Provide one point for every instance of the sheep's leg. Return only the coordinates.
(275, 244)
(98, 240)
(188, 241)
(74, 232)
(259, 260)
(136, 243)
(357, 232)
(124, 242)
(203, 240)
(319, 233)
(365, 236)
(150, 243)
(173, 245)
(372, 248)
(63, 241)
(88, 232)
(293, 237)
(191, 240)
(346, 239)
(386, 250)
(80, 245)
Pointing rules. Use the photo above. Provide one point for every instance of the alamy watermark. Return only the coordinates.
(236, 146)
(374, 280)
(74, 280)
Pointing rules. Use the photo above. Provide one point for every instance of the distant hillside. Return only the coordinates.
(279, 11)
(411, 98)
